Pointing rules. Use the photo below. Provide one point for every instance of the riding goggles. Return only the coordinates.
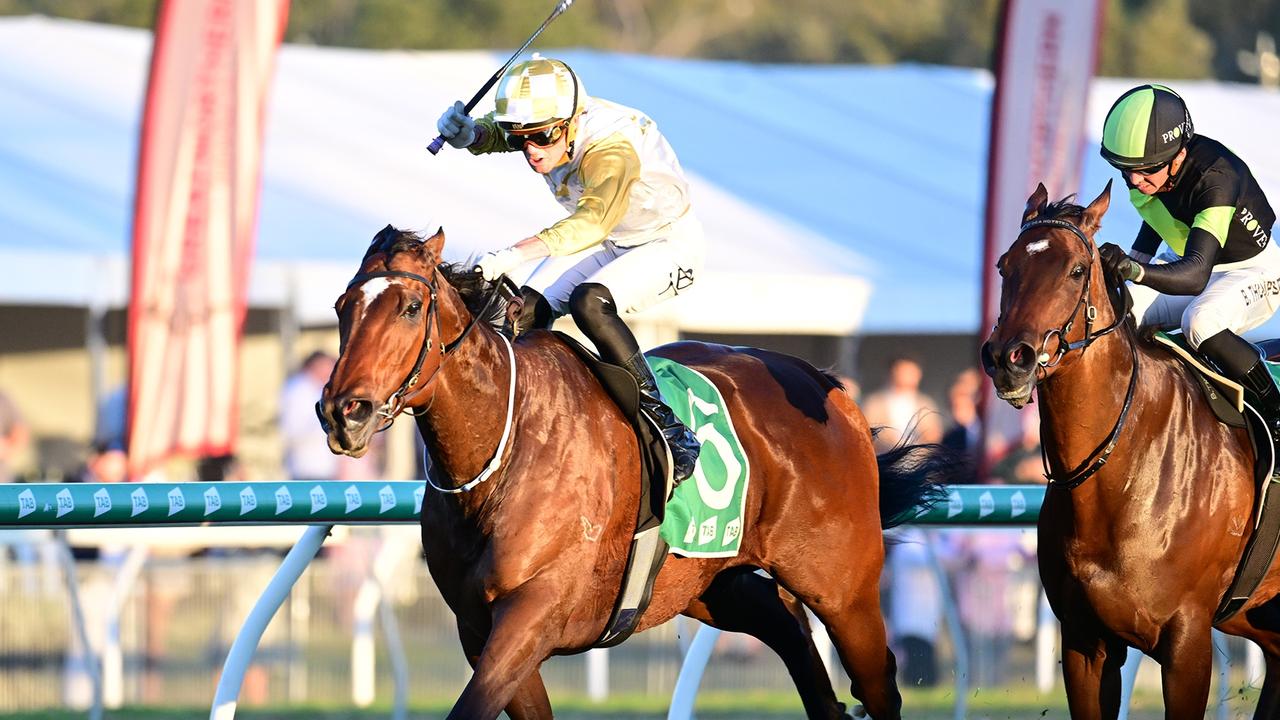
(545, 137)
(1148, 170)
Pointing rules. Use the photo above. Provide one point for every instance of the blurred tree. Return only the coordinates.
(1143, 38)
(1155, 39)
(134, 13)
(1235, 27)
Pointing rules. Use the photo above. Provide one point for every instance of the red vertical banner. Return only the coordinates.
(194, 218)
(1045, 60)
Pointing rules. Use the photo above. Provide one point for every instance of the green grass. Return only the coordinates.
(1013, 704)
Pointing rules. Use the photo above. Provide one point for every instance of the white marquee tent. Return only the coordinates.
(836, 198)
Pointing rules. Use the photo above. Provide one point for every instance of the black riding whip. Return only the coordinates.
(561, 6)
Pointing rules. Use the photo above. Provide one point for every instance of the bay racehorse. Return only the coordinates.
(530, 560)
(1150, 499)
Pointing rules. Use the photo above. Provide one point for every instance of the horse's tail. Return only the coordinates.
(913, 477)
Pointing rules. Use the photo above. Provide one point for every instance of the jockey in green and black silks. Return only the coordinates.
(629, 227)
(1219, 273)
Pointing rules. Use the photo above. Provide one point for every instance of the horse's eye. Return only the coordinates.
(412, 311)
(1077, 271)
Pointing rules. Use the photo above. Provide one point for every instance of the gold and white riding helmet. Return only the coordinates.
(537, 93)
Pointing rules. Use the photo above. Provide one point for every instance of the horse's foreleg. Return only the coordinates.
(506, 667)
(1091, 671)
(740, 600)
(530, 701)
(1185, 653)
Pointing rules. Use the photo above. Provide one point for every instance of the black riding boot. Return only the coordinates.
(596, 314)
(684, 445)
(1242, 362)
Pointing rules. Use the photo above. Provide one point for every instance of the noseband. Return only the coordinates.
(1098, 457)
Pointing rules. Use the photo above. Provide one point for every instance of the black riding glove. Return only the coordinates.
(1116, 260)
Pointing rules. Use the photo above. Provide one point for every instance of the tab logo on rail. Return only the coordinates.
(248, 501)
(212, 501)
(139, 502)
(64, 501)
(26, 503)
(284, 500)
(177, 502)
(101, 502)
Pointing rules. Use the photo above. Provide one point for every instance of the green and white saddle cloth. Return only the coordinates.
(704, 515)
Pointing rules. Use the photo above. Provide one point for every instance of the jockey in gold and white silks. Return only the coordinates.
(628, 204)
(630, 230)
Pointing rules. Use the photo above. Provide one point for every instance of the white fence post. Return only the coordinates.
(228, 692)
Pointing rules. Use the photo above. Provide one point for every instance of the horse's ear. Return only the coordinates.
(383, 241)
(1091, 220)
(435, 243)
(1035, 203)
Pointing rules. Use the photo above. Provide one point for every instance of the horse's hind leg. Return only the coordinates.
(847, 601)
(740, 600)
(530, 701)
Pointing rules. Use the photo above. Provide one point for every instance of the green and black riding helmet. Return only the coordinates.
(1146, 128)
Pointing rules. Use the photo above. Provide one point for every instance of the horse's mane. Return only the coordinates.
(1059, 208)
(474, 290)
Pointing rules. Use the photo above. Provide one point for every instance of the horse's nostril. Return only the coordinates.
(357, 410)
(1022, 356)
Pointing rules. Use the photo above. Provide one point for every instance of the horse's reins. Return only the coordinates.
(399, 399)
(1095, 460)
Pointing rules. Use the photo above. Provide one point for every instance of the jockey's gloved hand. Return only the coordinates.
(495, 264)
(456, 127)
(1116, 260)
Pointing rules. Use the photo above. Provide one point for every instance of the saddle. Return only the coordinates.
(1236, 407)
(648, 549)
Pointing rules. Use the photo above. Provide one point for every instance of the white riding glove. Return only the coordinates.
(499, 263)
(456, 127)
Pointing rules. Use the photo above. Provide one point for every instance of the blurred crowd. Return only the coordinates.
(987, 574)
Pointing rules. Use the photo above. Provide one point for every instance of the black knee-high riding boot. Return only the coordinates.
(1242, 362)
(596, 314)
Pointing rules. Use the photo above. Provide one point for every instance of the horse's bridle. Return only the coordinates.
(395, 404)
(1095, 460)
(1065, 346)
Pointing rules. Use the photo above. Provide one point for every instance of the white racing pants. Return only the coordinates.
(1240, 296)
(638, 277)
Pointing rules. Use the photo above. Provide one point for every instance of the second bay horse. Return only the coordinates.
(1150, 503)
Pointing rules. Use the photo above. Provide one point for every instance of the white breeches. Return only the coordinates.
(1239, 297)
(638, 276)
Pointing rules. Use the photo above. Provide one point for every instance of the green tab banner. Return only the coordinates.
(142, 504)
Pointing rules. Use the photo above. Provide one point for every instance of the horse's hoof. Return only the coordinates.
(859, 712)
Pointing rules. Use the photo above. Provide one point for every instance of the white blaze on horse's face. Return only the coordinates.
(371, 290)
(1037, 246)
